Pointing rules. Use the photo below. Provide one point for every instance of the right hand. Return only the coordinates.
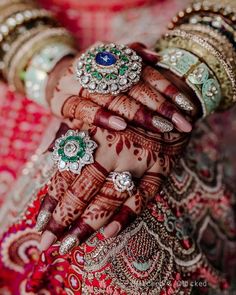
(152, 97)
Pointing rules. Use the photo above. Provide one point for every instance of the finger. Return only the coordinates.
(148, 56)
(161, 84)
(57, 188)
(74, 201)
(91, 113)
(131, 110)
(157, 80)
(127, 214)
(99, 211)
(135, 204)
(152, 99)
(121, 105)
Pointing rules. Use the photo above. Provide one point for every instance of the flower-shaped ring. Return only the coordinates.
(73, 151)
(108, 68)
(122, 181)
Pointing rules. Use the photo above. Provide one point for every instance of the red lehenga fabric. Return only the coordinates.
(184, 242)
(185, 238)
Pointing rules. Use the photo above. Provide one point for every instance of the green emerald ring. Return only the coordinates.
(108, 69)
(73, 151)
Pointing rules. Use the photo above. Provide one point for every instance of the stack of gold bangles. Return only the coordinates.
(31, 44)
(201, 48)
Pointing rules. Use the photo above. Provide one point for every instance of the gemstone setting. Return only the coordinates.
(73, 151)
(108, 68)
(122, 181)
(105, 59)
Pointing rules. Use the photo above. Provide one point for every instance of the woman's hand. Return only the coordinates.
(78, 205)
(154, 103)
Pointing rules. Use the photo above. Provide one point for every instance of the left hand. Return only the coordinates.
(81, 204)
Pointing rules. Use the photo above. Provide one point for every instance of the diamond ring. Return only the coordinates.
(73, 151)
(122, 181)
(108, 68)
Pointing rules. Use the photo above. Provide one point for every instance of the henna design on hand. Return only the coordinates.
(150, 154)
(77, 196)
(135, 204)
(89, 112)
(98, 213)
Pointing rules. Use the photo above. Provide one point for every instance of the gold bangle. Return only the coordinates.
(7, 3)
(13, 9)
(216, 39)
(20, 31)
(205, 6)
(210, 55)
(212, 21)
(196, 74)
(16, 45)
(19, 19)
(41, 64)
(28, 49)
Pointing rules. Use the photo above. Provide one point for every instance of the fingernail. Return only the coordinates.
(42, 220)
(112, 229)
(117, 123)
(183, 102)
(162, 124)
(68, 244)
(181, 123)
(47, 239)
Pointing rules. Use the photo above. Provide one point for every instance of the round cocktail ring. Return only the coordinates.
(122, 181)
(73, 151)
(108, 68)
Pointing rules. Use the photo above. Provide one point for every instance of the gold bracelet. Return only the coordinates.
(39, 67)
(6, 46)
(205, 6)
(13, 9)
(196, 74)
(20, 18)
(213, 21)
(28, 49)
(16, 45)
(214, 38)
(7, 3)
(210, 55)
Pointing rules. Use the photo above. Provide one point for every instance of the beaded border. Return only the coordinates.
(19, 18)
(214, 37)
(227, 12)
(14, 9)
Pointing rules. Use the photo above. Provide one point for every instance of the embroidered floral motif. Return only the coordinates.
(157, 253)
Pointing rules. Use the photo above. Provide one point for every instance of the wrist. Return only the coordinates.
(37, 48)
(54, 76)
